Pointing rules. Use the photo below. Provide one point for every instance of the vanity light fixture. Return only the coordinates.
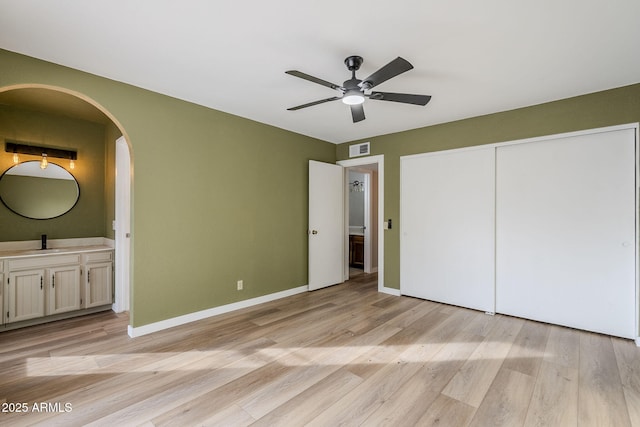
(44, 163)
(16, 148)
(356, 186)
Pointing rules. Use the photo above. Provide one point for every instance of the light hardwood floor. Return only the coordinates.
(345, 355)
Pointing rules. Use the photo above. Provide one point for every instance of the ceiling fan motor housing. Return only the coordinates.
(353, 63)
(351, 84)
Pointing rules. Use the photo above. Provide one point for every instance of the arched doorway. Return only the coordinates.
(66, 104)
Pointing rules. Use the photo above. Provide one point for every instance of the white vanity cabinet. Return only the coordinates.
(98, 286)
(43, 286)
(63, 289)
(25, 295)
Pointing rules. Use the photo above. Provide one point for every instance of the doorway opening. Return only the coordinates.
(364, 208)
(62, 102)
(362, 193)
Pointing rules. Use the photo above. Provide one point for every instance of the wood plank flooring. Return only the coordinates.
(345, 355)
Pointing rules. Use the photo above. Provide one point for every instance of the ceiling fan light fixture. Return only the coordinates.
(353, 91)
(353, 97)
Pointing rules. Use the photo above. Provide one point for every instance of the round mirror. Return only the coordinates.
(38, 193)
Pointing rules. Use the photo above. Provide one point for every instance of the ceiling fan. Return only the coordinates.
(354, 91)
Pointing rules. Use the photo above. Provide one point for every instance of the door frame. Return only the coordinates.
(361, 161)
(367, 211)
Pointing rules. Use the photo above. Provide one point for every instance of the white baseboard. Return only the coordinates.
(390, 291)
(199, 315)
(638, 342)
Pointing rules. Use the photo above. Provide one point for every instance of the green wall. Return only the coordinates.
(216, 198)
(112, 133)
(607, 108)
(87, 218)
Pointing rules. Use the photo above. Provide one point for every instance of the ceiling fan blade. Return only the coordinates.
(311, 104)
(401, 97)
(304, 76)
(357, 112)
(392, 69)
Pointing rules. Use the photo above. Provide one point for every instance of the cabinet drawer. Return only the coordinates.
(105, 256)
(44, 261)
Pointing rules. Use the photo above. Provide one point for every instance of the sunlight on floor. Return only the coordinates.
(206, 360)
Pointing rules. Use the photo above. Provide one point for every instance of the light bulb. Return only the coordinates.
(72, 164)
(16, 159)
(44, 163)
(353, 97)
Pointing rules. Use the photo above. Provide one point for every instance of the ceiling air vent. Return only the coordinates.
(359, 149)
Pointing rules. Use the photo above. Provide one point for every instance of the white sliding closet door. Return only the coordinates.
(447, 209)
(565, 236)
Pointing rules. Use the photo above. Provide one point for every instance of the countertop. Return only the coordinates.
(19, 253)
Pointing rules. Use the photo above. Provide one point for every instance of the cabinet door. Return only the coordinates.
(25, 295)
(99, 285)
(357, 251)
(63, 289)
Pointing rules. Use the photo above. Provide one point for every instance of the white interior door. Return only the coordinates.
(565, 242)
(326, 224)
(123, 226)
(447, 225)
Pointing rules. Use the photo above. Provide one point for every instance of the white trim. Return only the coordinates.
(199, 315)
(390, 291)
(379, 159)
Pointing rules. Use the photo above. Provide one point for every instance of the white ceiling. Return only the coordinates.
(474, 57)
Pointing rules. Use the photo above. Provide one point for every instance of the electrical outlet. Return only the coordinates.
(240, 285)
